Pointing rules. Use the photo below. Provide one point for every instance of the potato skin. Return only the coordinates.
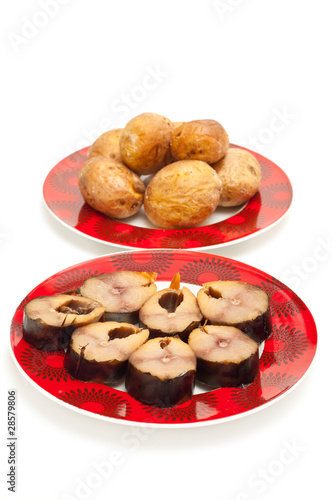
(182, 194)
(204, 140)
(110, 187)
(240, 175)
(145, 143)
(107, 144)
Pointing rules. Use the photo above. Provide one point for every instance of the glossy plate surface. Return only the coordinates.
(64, 200)
(286, 357)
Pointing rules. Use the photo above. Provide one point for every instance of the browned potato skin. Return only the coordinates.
(204, 140)
(110, 187)
(107, 144)
(182, 194)
(145, 143)
(169, 158)
(240, 175)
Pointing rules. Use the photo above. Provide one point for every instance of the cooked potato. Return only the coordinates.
(145, 143)
(107, 144)
(204, 140)
(240, 175)
(182, 194)
(110, 187)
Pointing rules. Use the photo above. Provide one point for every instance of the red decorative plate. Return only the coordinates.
(225, 226)
(286, 357)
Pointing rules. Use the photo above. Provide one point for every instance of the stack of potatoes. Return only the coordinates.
(188, 168)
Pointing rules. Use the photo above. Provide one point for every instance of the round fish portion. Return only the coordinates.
(226, 357)
(161, 372)
(122, 293)
(99, 352)
(238, 304)
(171, 312)
(49, 321)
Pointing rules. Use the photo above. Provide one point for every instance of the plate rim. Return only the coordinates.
(163, 425)
(170, 424)
(220, 244)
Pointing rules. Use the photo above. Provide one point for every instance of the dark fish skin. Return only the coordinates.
(259, 329)
(48, 334)
(182, 335)
(230, 374)
(46, 337)
(104, 372)
(153, 391)
(130, 317)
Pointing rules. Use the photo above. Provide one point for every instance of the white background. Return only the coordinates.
(65, 78)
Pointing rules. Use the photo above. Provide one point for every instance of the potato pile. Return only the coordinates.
(188, 168)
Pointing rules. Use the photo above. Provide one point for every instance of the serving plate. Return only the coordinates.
(226, 226)
(286, 357)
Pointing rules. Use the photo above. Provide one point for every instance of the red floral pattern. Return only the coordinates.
(282, 304)
(209, 269)
(156, 262)
(284, 346)
(199, 407)
(48, 365)
(286, 357)
(72, 280)
(264, 388)
(98, 401)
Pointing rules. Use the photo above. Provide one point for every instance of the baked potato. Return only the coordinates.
(182, 194)
(240, 175)
(110, 187)
(145, 143)
(107, 144)
(204, 140)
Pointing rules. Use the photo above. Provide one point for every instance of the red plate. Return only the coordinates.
(268, 206)
(287, 354)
